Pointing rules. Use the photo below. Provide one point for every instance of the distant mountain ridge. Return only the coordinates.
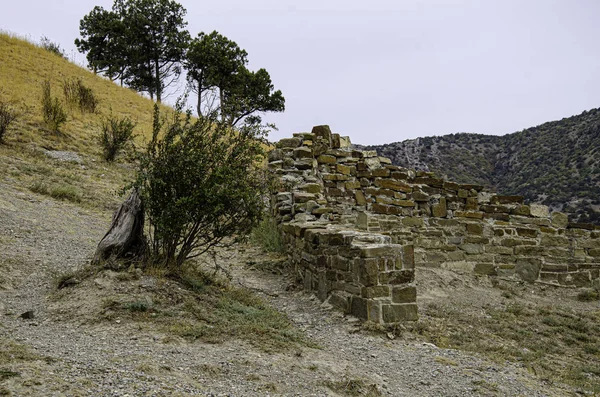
(556, 163)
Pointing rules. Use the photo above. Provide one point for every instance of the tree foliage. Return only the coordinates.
(142, 42)
(211, 61)
(214, 62)
(200, 183)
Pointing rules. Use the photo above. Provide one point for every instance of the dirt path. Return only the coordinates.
(46, 356)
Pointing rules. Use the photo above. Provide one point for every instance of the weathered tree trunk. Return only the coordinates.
(125, 238)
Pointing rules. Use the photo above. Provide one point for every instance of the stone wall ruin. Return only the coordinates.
(355, 227)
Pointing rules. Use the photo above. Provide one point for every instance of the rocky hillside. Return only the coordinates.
(556, 163)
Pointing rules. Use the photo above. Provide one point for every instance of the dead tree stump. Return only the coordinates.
(125, 238)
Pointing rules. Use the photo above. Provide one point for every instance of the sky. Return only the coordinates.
(383, 71)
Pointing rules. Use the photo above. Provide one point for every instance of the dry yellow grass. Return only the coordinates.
(23, 68)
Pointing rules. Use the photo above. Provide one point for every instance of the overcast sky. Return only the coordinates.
(382, 71)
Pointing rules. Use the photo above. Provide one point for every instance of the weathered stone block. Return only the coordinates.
(468, 214)
(529, 250)
(539, 211)
(507, 200)
(526, 232)
(560, 220)
(485, 268)
(475, 228)
(393, 184)
(379, 291)
(404, 294)
(302, 152)
(472, 249)
(366, 309)
(340, 300)
(311, 188)
(288, 143)
(326, 159)
(412, 221)
(400, 312)
(440, 210)
(360, 198)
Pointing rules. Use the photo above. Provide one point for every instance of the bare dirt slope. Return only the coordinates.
(69, 349)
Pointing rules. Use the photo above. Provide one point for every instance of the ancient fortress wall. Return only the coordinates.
(355, 227)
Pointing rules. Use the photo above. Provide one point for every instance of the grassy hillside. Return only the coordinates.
(556, 163)
(23, 162)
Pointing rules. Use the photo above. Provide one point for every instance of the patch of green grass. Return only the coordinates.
(588, 295)
(5, 374)
(267, 236)
(221, 312)
(57, 191)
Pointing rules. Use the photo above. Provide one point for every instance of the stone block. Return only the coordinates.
(555, 241)
(472, 249)
(400, 312)
(340, 300)
(475, 228)
(393, 184)
(485, 268)
(366, 309)
(379, 291)
(526, 232)
(360, 198)
(529, 250)
(412, 221)
(539, 211)
(345, 142)
(507, 200)
(288, 143)
(311, 188)
(404, 294)
(326, 159)
(468, 214)
(303, 197)
(440, 210)
(343, 169)
(559, 220)
(302, 153)
(522, 210)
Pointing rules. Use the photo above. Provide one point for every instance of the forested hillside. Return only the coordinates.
(556, 163)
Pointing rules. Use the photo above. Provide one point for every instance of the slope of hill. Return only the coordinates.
(556, 163)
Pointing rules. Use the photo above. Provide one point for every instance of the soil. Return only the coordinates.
(72, 348)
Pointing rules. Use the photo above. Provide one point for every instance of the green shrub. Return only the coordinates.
(200, 183)
(52, 47)
(77, 94)
(115, 135)
(267, 236)
(7, 117)
(52, 110)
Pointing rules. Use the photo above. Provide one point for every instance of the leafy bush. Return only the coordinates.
(7, 117)
(115, 135)
(52, 110)
(200, 183)
(77, 94)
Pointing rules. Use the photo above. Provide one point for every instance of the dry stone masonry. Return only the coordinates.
(355, 226)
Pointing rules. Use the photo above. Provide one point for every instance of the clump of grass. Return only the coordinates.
(267, 236)
(52, 110)
(223, 312)
(52, 47)
(115, 134)
(57, 191)
(7, 116)
(588, 295)
(354, 387)
(77, 94)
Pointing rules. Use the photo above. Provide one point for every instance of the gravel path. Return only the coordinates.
(41, 238)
